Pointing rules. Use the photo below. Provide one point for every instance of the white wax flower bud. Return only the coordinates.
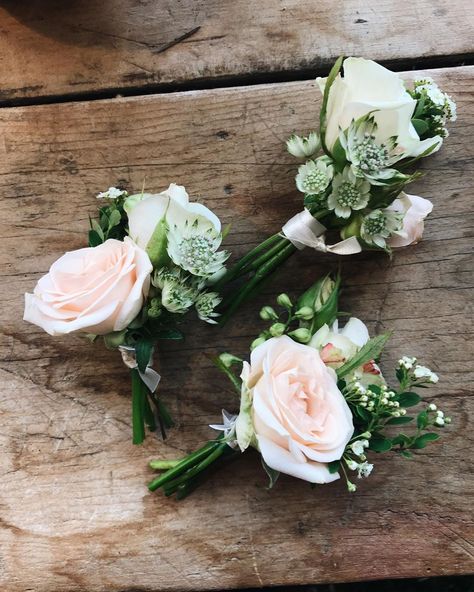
(351, 487)
(306, 313)
(277, 329)
(432, 407)
(256, 342)
(284, 300)
(302, 335)
(268, 314)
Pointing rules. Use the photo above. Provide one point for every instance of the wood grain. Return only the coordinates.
(52, 47)
(75, 514)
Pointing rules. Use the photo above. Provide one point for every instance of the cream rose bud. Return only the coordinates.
(415, 210)
(300, 418)
(366, 88)
(94, 290)
(145, 212)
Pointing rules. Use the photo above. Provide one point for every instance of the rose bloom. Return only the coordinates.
(146, 210)
(300, 418)
(93, 290)
(366, 88)
(415, 210)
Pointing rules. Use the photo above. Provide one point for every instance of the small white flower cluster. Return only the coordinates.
(112, 193)
(406, 362)
(381, 401)
(420, 374)
(363, 468)
(441, 418)
(437, 101)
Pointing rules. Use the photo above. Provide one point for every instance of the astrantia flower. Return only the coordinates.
(348, 193)
(177, 297)
(196, 250)
(206, 304)
(314, 176)
(303, 147)
(378, 226)
(370, 153)
(112, 193)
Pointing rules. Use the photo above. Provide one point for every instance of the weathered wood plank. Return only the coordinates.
(54, 48)
(75, 514)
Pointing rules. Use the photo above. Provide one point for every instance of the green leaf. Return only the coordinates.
(157, 245)
(94, 239)
(143, 350)
(408, 399)
(322, 115)
(424, 440)
(422, 420)
(406, 454)
(236, 381)
(363, 413)
(334, 466)
(96, 226)
(114, 218)
(420, 126)
(368, 352)
(379, 443)
(419, 106)
(272, 474)
(399, 420)
(401, 439)
(169, 334)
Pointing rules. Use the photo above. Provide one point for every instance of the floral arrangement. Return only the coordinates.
(150, 260)
(373, 129)
(313, 400)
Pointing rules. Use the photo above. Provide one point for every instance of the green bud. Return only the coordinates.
(113, 340)
(268, 314)
(306, 313)
(256, 342)
(277, 329)
(352, 229)
(325, 291)
(132, 201)
(284, 300)
(302, 335)
(155, 309)
(229, 360)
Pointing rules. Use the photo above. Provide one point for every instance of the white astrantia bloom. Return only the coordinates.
(176, 297)
(195, 249)
(314, 176)
(112, 193)
(379, 225)
(348, 193)
(206, 304)
(369, 88)
(303, 147)
(370, 152)
(423, 373)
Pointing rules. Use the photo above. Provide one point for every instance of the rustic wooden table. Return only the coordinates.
(75, 514)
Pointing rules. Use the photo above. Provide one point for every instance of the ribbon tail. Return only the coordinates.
(151, 378)
(349, 246)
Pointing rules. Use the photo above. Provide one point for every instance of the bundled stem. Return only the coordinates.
(143, 413)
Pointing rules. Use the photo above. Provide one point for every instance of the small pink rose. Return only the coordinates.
(415, 210)
(300, 418)
(93, 290)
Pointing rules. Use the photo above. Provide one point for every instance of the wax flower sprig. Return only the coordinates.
(373, 129)
(313, 400)
(152, 258)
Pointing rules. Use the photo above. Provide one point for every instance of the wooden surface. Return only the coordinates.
(75, 514)
(52, 47)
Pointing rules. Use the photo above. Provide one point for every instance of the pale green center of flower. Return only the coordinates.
(375, 224)
(315, 182)
(196, 252)
(371, 156)
(347, 194)
(205, 305)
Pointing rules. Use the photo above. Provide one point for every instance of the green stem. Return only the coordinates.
(266, 256)
(138, 408)
(286, 250)
(163, 465)
(235, 271)
(186, 463)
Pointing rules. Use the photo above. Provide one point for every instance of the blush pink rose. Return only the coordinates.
(94, 290)
(300, 418)
(415, 210)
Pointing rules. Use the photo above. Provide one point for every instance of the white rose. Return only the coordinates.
(366, 87)
(292, 408)
(145, 211)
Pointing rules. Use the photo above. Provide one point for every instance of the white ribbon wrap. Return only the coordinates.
(150, 377)
(303, 230)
